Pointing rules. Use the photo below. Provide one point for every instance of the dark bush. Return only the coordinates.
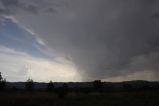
(127, 86)
(98, 84)
(65, 86)
(62, 92)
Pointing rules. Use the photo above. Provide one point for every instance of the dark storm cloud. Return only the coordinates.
(111, 38)
(12, 6)
(10, 2)
(104, 38)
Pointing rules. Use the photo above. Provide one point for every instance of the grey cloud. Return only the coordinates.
(108, 34)
(11, 7)
(104, 38)
(10, 2)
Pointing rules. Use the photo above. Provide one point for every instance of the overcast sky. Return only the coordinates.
(79, 40)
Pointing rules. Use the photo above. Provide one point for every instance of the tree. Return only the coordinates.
(29, 84)
(97, 84)
(50, 85)
(2, 82)
(1, 78)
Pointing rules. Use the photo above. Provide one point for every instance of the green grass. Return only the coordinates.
(114, 98)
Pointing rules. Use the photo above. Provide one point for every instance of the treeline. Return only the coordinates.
(98, 86)
(29, 85)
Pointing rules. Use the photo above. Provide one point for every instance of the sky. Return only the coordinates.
(79, 40)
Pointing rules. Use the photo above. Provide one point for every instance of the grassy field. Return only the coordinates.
(45, 98)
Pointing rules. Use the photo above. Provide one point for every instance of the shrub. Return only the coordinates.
(62, 92)
(97, 84)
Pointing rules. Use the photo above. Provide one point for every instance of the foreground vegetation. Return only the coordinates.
(98, 95)
(51, 98)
